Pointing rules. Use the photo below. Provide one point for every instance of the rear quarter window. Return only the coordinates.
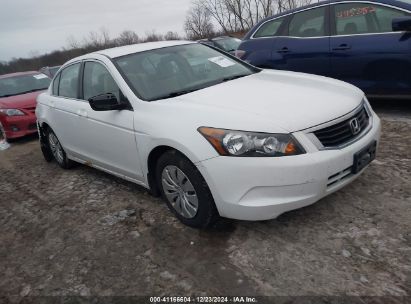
(364, 18)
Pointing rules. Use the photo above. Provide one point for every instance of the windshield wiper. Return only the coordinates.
(31, 91)
(175, 94)
(233, 77)
(25, 92)
(182, 92)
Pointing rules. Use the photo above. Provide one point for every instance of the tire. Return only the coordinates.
(185, 191)
(44, 145)
(57, 150)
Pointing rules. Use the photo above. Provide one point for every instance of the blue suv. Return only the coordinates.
(366, 43)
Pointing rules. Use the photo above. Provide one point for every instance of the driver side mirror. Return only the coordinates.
(401, 24)
(106, 102)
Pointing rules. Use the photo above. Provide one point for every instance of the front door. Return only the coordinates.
(107, 137)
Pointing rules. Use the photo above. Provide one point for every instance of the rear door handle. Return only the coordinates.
(82, 112)
(342, 47)
(283, 50)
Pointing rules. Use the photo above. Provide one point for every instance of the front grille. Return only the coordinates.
(32, 127)
(344, 131)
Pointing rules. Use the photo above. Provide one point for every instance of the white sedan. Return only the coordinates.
(210, 133)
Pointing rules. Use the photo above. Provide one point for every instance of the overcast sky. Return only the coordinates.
(30, 27)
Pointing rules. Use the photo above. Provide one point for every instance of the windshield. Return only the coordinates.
(172, 71)
(228, 44)
(23, 84)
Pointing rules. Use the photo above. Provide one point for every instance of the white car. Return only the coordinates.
(224, 139)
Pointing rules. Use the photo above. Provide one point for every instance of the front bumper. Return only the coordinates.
(19, 126)
(263, 188)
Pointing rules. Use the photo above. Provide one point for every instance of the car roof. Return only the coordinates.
(140, 47)
(397, 3)
(18, 74)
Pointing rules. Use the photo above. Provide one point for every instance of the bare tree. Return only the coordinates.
(153, 36)
(198, 22)
(105, 37)
(72, 42)
(171, 36)
(235, 16)
(127, 37)
(218, 11)
(98, 39)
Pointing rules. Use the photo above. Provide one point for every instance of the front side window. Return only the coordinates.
(97, 81)
(309, 23)
(172, 71)
(23, 84)
(269, 28)
(363, 18)
(68, 86)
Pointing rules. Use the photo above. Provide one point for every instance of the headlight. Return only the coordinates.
(12, 112)
(240, 143)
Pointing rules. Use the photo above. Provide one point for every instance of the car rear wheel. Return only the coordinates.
(185, 191)
(58, 152)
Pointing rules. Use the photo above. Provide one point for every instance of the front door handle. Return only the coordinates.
(82, 112)
(283, 50)
(342, 47)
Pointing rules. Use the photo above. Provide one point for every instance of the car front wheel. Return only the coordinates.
(185, 190)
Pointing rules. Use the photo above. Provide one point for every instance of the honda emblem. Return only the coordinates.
(355, 126)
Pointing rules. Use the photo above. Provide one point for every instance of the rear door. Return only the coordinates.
(65, 104)
(306, 44)
(366, 52)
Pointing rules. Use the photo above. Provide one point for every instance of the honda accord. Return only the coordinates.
(213, 135)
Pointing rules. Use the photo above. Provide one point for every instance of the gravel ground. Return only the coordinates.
(84, 232)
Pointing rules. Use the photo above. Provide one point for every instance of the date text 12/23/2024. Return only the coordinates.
(203, 299)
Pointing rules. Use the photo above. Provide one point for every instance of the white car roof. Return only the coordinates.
(140, 47)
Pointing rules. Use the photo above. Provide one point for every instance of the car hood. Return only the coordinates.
(20, 101)
(292, 101)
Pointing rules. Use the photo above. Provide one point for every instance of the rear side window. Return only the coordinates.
(363, 18)
(269, 28)
(308, 23)
(68, 86)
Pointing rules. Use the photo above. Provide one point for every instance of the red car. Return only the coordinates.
(18, 93)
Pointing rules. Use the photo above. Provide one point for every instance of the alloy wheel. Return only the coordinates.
(56, 148)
